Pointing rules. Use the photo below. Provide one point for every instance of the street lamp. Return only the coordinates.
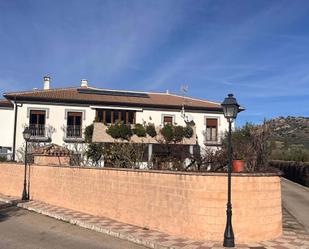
(26, 135)
(230, 110)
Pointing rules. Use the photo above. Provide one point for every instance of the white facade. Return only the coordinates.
(55, 115)
(199, 118)
(6, 127)
(56, 120)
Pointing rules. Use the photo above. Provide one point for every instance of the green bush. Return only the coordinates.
(251, 143)
(167, 133)
(151, 130)
(3, 159)
(120, 131)
(139, 130)
(290, 154)
(88, 133)
(294, 171)
(188, 131)
(178, 133)
(95, 152)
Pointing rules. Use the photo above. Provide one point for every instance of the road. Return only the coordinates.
(295, 199)
(27, 230)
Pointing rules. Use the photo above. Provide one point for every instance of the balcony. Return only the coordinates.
(73, 134)
(38, 133)
(100, 136)
(216, 141)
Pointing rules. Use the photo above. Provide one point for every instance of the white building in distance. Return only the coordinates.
(60, 115)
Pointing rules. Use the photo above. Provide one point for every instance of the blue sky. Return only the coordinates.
(258, 50)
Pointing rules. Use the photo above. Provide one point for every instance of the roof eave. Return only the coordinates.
(93, 102)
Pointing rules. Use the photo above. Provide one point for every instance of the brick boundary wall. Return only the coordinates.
(190, 205)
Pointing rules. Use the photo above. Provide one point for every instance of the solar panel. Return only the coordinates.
(113, 93)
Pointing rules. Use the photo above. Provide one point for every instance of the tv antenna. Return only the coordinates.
(187, 117)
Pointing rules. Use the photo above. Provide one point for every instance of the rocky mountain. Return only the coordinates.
(290, 131)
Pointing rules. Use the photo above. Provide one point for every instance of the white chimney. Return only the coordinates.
(84, 83)
(46, 82)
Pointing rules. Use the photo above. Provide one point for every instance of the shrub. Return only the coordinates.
(139, 130)
(151, 130)
(94, 152)
(251, 143)
(120, 131)
(188, 131)
(125, 155)
(3, 159)
(167, 133)
(88, 133)
(178, 133)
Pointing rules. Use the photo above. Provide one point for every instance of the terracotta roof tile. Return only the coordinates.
(5, 103)
(102, 96)
(52, 149)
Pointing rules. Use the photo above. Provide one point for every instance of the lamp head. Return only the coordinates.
(27, 133)
(230, 107)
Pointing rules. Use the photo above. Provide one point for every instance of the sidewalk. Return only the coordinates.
(295, 199)
(294, 235)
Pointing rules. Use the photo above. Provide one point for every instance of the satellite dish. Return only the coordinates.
(189, 118)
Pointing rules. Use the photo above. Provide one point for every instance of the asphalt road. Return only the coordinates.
(295, 199)
(27, 230)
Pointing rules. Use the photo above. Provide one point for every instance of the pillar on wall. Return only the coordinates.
(191, 149)
(149, 152)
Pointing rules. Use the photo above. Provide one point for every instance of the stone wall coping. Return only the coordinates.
(245, 174)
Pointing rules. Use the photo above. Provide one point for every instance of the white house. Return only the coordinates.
(59, 115)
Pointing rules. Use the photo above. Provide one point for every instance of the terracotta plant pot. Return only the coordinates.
(238, 166)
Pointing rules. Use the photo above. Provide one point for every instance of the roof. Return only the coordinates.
(96, 96)
(6, 103)
(52, 150)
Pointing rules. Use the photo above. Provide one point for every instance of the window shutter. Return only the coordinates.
(168, 119)
(37, 112)
(213, 122)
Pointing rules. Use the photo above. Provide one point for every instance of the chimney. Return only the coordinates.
(84, 83)
(46, 82)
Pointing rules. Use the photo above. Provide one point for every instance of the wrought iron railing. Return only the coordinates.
(73, 131)
(37, 130)
(217, 140)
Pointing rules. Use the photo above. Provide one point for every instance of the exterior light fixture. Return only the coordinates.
(26, 135)
(230, 110)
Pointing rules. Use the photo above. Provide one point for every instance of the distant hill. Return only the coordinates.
(290, 131)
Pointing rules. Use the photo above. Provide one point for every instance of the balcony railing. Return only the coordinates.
(73, 133)
(216, 141)
(37, 130)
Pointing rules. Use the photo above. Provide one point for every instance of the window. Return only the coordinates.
(112, 116)
(37, 123)
(211, 130)
(167, 119)
(74, 124)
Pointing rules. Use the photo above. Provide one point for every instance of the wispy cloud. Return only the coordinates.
(256, 49)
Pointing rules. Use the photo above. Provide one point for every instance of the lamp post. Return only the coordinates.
(230, 109)
(26, 135)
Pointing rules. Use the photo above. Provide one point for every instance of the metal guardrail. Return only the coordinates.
(37, 130)
(73, 131)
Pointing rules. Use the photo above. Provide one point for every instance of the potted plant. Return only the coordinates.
(238, 164)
